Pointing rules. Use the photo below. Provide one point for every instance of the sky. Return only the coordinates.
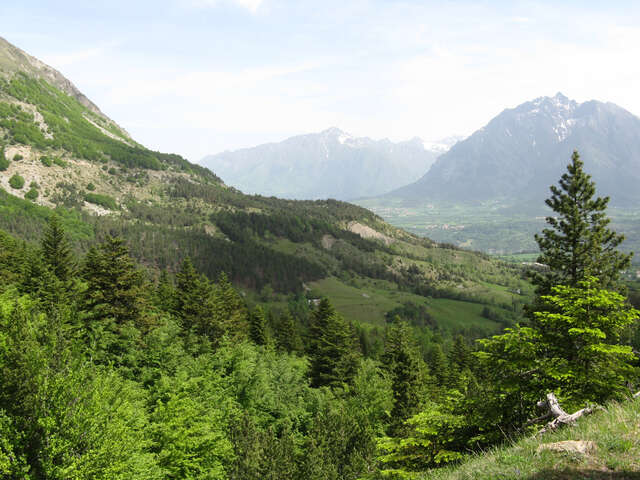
(197, 77)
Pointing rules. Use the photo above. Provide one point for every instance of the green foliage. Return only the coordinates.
(4, 161)
(91, 187)
(188, 427)
(59, 162)
(432, 441)
(258, 327)
(56, 250)
(209, 310)
(32, 194)
(114, 284)
(105, 201)
(75, 421)
(16, 181)
(407, 372)
(46, 161)
(333, 350)
(572, 349)
(17, 157)
(578, 244)
(583, 357)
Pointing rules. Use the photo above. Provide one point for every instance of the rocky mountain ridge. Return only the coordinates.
(523, 150)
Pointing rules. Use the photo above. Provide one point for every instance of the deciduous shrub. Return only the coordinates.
(16, 181)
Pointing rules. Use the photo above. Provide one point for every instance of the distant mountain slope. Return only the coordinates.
(522, 151)
(330, 164)
(13, 60)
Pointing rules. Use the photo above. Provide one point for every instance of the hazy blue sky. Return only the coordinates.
(201, 76)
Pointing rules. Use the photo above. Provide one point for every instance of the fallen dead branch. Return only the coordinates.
(560, 417)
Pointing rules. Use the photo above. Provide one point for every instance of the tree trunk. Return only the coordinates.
(560, 417)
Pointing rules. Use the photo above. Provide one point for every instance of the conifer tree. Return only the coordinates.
(165, 293)
(230, 313)
(460, 354)
(56, 250)
(407, 371)
(438, 365)
(318, 323)
(193, 296)
(286, 332)
(333, 351)
(578, 243)
(114, 284)
(258, 326)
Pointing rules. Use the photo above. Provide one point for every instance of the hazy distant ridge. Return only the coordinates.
(329, 164)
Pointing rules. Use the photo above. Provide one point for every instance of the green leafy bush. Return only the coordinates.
(16, 182)
(32, 194)
(59, 162)
(91, 187)
(4, 161)
(46, 161)
(17, 157)
(103, 200)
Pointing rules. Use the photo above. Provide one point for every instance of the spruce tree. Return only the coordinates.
(407, 371)
(286, 332)
(438, 364)
(578, 243)
(56, 250)
(258, 326)
(460, 355)
(165, 293)
(193, 297)
(114, 284)
(334, 351)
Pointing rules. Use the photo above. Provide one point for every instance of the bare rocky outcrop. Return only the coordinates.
(581, 447)
(367, 232)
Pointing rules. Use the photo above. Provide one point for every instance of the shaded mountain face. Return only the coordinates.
(522, 151)
(330, 164)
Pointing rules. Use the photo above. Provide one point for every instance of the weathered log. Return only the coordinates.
(560, 417)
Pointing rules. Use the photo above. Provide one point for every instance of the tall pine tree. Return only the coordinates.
(56, 250)
(333, 348)
(578, 243)
(407, 372)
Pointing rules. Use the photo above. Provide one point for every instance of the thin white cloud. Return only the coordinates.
(66, 59)
(251, 5)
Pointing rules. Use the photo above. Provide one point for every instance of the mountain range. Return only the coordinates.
(523, 150)
(329, 164)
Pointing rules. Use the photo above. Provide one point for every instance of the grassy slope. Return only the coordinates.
(367, 301)
(616, 433)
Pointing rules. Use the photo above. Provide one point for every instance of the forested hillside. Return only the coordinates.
(156, 323)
